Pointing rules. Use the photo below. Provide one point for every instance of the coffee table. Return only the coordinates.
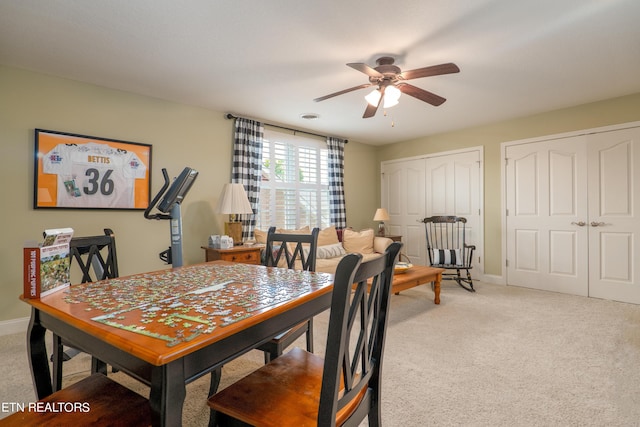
(418, 275)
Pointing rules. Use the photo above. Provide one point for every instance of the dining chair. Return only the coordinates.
(96, 259)
(341, 389)
(294, 251)
(447, 248)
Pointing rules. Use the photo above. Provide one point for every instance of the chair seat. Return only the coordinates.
(262, 401)
(99, 401)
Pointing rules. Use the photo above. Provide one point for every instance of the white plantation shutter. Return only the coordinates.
(295, 186)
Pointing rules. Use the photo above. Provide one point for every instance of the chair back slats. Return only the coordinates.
(95, 256)
(356, 336)
(291, 248)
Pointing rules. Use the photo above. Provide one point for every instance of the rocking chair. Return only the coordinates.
(447, 248)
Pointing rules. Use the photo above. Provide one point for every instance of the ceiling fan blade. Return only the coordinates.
(364, 68)
(331, 95)
(434, 70)
(421, 94)
(371, 110)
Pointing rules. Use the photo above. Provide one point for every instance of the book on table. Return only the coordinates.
(47, 264)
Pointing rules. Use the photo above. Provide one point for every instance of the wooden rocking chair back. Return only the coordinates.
(447, 248)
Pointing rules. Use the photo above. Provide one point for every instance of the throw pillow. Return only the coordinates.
(330, 251)
(358, 241)
(303, 230)
(328, 236)
(260, 236)
(447, 257)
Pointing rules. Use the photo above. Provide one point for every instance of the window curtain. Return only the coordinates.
(247, 166)
(336, 182)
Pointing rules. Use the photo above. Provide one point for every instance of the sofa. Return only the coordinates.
(333, 245)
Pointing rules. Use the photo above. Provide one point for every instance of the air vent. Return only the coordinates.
(309, 116)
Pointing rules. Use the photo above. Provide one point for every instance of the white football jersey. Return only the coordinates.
(94, 175)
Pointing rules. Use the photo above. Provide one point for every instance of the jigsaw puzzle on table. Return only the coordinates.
(178, 305)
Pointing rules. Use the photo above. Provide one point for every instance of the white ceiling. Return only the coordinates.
(268, 59)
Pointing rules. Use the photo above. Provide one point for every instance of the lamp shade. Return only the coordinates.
(234, 200)
(391, 96)
(381, 215)
(373, 97)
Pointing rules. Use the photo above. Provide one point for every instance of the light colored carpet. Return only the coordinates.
(504, 356)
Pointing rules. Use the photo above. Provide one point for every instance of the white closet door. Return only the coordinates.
(453, 188)
(547, 235)
(403, 196)
(614, 207)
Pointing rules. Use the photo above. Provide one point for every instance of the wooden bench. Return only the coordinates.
(95, 401)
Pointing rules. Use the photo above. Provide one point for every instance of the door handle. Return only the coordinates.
(579, 223)
(597, 224)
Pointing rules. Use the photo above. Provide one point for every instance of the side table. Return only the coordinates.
(241, 253)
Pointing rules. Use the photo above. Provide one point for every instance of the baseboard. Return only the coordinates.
(14, 326)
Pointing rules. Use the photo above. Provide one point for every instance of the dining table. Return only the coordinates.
(169, 327)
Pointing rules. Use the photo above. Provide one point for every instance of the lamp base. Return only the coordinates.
(381, 230)
(234, 230)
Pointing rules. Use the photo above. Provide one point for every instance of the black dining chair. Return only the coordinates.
(294, 251)
(341, 389)
(96, 259)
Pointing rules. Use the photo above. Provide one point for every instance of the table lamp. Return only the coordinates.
(233, 202)
(381, 215)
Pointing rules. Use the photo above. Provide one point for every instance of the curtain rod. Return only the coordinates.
(231, 116)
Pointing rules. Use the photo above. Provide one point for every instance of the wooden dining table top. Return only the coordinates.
(161, 316)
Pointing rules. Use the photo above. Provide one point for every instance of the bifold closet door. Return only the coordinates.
(572, 215)
(614, 219)
(547, 232)
(440, 184)
(402, 194)
(453, 188)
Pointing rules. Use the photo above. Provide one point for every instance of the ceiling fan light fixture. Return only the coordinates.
(388, 103)
(391, 96)
(392, 93)
(373, 97)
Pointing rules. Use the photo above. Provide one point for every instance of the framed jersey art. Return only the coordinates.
(85, 172)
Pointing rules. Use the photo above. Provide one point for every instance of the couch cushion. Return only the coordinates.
(330, 251)
(358, 241)
(328, 236)
(260, 236)
(380, 244)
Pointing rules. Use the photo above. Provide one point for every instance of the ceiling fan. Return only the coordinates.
(390, 82)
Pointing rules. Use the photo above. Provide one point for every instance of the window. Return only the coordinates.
(295, 182)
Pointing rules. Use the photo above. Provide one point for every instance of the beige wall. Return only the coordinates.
(613, 111)
(181, 136)
(188, 136)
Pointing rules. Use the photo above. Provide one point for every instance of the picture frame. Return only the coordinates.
(74, 171)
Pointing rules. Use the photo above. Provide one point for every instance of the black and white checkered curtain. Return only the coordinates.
(247, 166)
(336, 182)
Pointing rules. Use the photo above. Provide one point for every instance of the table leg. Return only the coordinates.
(38, 360)
(436, 288)
(216, 374)
(167, 394)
